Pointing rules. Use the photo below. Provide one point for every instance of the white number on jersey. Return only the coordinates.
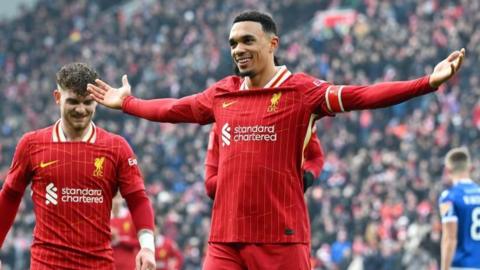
(475, 228)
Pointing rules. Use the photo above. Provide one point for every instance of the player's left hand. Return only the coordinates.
(308, 179)
(444, 70)
(145, 260)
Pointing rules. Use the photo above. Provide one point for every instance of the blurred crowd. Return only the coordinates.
(374, 205)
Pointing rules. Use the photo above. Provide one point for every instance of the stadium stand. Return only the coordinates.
(374, 206)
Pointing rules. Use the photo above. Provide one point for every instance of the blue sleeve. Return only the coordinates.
(446, 204)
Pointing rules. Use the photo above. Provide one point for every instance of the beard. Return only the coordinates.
(243, 74)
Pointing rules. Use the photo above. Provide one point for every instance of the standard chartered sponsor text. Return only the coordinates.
(79, 195)
(255, 133)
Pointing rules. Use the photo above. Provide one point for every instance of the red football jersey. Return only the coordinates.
(73, 184)
(125, 243)
(313, 159)
(259, 197)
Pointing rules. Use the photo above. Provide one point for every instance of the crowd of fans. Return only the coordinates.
(374, 205)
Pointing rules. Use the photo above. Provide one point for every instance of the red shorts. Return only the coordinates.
(257, 256)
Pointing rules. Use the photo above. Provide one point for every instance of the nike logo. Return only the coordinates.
(226, 104)
(46, 164)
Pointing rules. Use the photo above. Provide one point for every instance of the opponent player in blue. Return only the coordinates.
(460, 211)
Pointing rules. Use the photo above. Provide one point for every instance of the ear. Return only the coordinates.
(57, 95)
(447, 172)
(274, 43)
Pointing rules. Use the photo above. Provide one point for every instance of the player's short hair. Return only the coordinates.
(75, 77)
(457, 160)
(268, 25)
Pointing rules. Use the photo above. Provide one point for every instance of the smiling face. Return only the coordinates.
(76, 105)
(76, 110)
(251, 48)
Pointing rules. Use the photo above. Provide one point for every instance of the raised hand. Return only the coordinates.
(109, 96)
(444, 70)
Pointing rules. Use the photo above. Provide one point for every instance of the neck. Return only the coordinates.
(72, 134)
(261, 79)
(460, 176)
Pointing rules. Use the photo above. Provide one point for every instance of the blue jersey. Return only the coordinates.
(461, 204)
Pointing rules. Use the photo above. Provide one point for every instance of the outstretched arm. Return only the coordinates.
(348, 98)
(191, 109)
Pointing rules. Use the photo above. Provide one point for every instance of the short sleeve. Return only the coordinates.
(446, 204)
(128, 173)
(20, 172)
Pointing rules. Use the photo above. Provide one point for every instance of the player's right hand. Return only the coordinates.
(109, 96)
(145, 260)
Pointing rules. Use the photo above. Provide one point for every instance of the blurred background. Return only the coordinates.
(374, 206)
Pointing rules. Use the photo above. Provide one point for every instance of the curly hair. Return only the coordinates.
(75, 77)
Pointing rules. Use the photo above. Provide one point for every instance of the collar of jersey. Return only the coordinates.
(280, 76)
(58, 135)
(464, 181)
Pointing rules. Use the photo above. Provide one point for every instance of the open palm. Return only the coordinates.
(444, 70)
(109, 96)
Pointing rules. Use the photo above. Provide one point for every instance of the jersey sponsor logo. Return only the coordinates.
(228, 104)
(98, 172)
(51, 195)
(72, 195)
(132, 162)
(248, 134)
(274, 102)
(46, 164)
(226, 134)
(81, 195)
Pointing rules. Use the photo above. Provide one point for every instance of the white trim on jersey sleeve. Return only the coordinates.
(340, 98)
(449, 219)
(326, 98)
